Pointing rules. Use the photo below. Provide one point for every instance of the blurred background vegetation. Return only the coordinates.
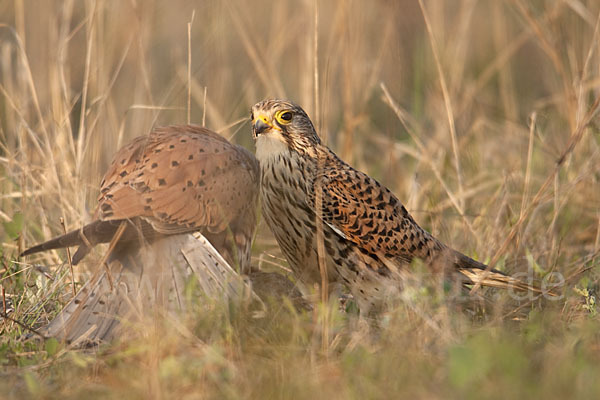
(481, 115)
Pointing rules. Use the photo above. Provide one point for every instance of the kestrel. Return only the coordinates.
(160, 189)
(368, 235)
(177, 179)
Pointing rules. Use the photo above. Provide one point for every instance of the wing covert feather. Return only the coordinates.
(179, 178)
(368, 214)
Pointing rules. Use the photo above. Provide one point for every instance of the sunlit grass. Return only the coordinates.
(520, 84)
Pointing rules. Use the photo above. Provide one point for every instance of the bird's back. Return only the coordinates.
(177, 179)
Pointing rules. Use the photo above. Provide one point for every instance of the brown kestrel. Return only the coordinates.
(368, 235)
(160, 189)
(177, 179)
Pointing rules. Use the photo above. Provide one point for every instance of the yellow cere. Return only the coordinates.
(264, 119)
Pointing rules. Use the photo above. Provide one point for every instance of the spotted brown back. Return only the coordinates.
(174, 180)
(180, 178)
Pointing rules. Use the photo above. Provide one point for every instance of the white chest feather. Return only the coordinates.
(268, 146)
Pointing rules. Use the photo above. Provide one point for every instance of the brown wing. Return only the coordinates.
(366, 213)
(179, 178)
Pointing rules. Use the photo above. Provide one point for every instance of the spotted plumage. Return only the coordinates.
(368, 235)
(175, 180)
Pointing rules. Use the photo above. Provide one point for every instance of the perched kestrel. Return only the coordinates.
(368, 235)
(175, 180)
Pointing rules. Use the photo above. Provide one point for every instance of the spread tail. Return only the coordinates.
(141, 283)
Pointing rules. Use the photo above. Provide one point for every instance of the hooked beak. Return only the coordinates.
(260, 125)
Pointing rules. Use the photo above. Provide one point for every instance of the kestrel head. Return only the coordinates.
(280, 125)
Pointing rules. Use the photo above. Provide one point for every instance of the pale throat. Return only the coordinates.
(270, 145)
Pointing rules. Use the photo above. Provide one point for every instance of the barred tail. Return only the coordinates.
(141, 283)
(480, 274)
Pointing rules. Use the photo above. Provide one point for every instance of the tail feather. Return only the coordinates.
(92, 315)
(480, 274)
(496, 279)
(142, 282)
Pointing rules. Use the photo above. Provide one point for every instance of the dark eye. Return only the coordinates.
(251, 116)
(284, 117)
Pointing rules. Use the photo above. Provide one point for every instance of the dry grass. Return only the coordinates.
(481, 115)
